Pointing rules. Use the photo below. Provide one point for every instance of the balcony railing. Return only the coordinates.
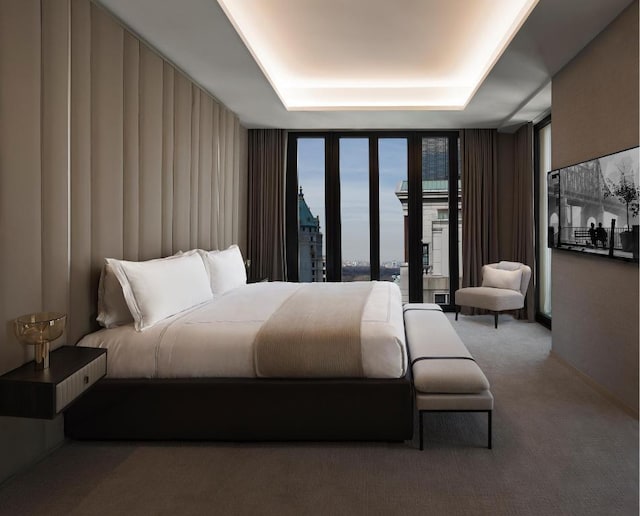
(580, 236)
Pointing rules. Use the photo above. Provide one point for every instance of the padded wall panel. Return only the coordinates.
(82, 297)
(167, 157)
(115, 153)
(222, 171)
(151, 142)
(23, 69)
(215, 177)
(131, 148)
(195, 164)
(107, 42)
(181, 163)
(235, 219)
(55, 157)
(229, 132)
(20, 194)
(204, 175)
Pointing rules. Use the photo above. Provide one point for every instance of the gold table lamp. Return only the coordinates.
(40, 329)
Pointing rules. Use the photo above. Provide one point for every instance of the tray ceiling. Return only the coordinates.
(367, 47)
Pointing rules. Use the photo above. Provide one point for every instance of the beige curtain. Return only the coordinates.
(522, 216)
(265, 230)
(479, 203)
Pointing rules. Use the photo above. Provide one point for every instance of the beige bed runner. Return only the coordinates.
(315, 333)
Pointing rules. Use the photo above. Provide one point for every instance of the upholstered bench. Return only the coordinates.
(446, 378)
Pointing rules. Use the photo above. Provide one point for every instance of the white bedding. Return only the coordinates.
(216, 339)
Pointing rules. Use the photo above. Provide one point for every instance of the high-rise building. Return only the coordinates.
(311, 267)
(435, 159)
(435, 238)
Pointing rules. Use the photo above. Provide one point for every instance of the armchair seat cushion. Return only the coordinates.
(489, 298)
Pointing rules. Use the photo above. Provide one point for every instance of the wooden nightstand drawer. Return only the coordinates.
(25, 392)
(69, 389)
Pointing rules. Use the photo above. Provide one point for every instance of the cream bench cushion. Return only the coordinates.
(445, 375)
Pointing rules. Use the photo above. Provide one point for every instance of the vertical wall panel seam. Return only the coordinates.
(91, 149)
(124, 136)
(42, 251)
(68, 292)
(173, 165)
(139, 203)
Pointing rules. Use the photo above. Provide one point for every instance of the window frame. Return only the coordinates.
(333, 227)
(541, 318)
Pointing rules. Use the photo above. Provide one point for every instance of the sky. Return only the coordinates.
(354, 192)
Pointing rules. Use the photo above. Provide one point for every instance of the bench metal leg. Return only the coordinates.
(489, 413)
(495, 318)
(421, 438)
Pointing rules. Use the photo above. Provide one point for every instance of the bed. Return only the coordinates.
(200, 375)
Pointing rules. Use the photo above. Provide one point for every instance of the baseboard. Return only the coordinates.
(597, 386)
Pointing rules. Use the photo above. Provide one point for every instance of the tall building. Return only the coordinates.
(311, 267)
(435, 159)
(435, 239)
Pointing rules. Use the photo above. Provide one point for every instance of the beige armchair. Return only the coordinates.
(504, 287)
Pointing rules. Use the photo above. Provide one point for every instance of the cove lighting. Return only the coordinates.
(376, 54)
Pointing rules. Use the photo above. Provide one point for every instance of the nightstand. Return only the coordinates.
(25, 392)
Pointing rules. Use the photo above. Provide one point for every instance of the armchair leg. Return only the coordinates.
(457, 311)
(495, 319)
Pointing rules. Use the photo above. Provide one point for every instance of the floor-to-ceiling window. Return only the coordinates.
(392, 180)
(387, 211)
(311, 211)
(441, 217)
(354, 208)
(543, 252)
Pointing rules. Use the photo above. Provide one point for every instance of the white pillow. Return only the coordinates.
(112, 307)
(500, 278)
(157, 289)
(226, 269)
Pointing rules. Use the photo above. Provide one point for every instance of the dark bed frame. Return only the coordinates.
(244, 409)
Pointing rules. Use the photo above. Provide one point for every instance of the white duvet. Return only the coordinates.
(216, 339)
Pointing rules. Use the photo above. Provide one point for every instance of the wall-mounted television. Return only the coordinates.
(593, 206)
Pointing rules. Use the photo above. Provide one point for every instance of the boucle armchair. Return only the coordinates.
(504, 287)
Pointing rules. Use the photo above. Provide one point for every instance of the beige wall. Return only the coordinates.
(106, 149)
(595, 300)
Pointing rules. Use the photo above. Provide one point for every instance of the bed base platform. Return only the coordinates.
(244, 410)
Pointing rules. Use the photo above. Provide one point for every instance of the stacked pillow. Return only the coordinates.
(225, 268)
(147, 292)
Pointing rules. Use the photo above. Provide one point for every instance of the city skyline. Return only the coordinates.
(354, 191)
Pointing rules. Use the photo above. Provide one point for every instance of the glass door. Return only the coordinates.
(357, 203)
(393, 212)
(547, 220)
(441, 218)
(355, 242)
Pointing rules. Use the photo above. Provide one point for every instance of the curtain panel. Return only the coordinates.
(522, 218)
(266, 219)
(479, 204)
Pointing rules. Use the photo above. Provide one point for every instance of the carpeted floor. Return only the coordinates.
(559, 448)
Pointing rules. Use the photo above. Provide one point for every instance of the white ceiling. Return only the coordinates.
(197, 36)
(376, 54)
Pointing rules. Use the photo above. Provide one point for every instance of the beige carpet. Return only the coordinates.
(559, 448)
